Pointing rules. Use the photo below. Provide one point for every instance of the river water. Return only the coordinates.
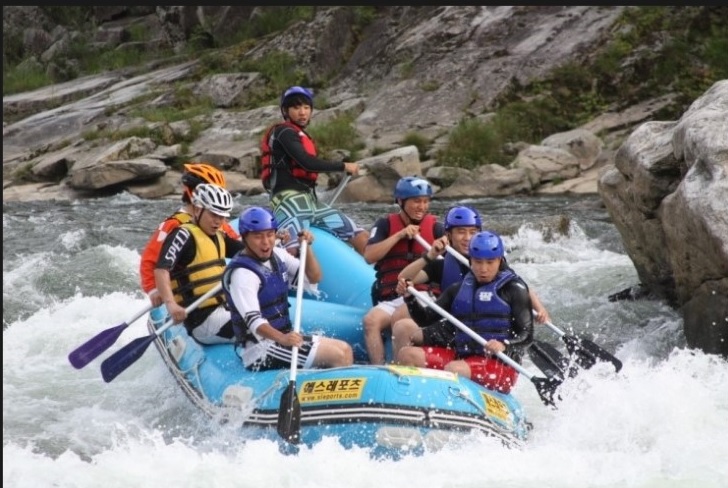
(70, 271)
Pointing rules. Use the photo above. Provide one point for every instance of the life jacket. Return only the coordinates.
(483, 311)
(453, 271)
(403, 253)
(268, 165)
(203, 273)
(272, 293)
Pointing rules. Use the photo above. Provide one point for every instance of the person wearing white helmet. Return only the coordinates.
(191, 262)
(193, 175)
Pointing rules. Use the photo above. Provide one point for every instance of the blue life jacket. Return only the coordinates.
(272, 293)
(483, 311)
(453, 271)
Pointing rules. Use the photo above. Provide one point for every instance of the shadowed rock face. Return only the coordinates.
(667, 194)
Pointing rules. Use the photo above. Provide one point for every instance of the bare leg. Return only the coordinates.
(412, 356)
(333, 353)
(405, 332)
(375, 321)
(401, 312)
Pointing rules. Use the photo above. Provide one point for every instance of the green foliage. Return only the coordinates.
(268, 21)
(421, 142)
(429, 85)
(472, 143)
(70, 16)
(338, 133)
(20, 79)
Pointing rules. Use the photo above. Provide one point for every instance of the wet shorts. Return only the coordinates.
(488, 371)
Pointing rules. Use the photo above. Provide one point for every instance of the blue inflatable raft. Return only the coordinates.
(392, 410)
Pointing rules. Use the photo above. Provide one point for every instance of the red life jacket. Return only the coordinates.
(293, 166)
(401, 254)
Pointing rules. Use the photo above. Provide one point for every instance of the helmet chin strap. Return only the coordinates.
(413, 221)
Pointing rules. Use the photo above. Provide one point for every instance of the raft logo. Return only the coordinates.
(337, 389)
(496, 408)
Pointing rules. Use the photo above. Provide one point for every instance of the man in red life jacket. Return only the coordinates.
(391, 246)
(290, 168)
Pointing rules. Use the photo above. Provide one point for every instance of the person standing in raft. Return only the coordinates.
(256, 282)
(493, 302)
(290, 168)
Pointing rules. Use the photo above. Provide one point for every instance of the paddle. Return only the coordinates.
(92, 348)
(339, 189)
(289, 411)
(112, 366)
(586, 352)
(550, 362)
(546, 387)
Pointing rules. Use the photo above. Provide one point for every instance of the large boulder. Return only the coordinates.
(667, 194)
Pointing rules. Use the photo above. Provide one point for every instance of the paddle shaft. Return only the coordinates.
(339, 189)
(426, 299)
(303, 251)
(212, 291)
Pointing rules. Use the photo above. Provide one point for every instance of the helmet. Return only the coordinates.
(256, 219)
(412, 186)
(462, 216)
(196, 173)
(486, 245)
(295, 92)
(214, 198)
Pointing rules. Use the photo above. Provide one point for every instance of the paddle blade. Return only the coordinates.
(546, 388)
(549, 360)
(92, 348)
(587, 353)
(289, 415)
(125, 357)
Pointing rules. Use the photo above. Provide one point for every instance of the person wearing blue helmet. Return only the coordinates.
(461, 224)
(494, 303)
(256, 283)
(289, 170)
(391, 247)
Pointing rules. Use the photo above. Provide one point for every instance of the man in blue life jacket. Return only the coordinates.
(492, 301)
(461, 224)
(290, 168)
(256, 282)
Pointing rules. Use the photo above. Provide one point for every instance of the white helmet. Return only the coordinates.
(214, 198)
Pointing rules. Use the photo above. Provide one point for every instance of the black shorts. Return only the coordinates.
(439, 334)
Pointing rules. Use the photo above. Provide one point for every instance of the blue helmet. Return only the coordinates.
(412, 186)
(462, 216)
(486, 245)
(295, 92)
(256, 219)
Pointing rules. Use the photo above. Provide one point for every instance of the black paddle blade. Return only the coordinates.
(92, 348)
(546, 388)
(587, 353)
(289, 415)
(549, 360)
(125, 357)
